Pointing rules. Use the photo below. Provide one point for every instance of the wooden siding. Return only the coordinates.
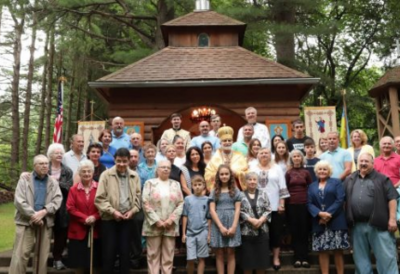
(219, 37)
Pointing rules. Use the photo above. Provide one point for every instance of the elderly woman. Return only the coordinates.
(207, 149)
(118, 200)
(162, 207)
(272, 181)
(194, 165)
(297, 180)
(84, 215)
(147, 169)
(94, 151)
(64, 176)
(176, 173)
(179, 144)
(359, 146)
(254, 214)
(254, 147)
(329, 227)
(107, 158)
(161, 146)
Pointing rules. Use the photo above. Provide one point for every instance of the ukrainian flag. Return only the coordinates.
(344, 130)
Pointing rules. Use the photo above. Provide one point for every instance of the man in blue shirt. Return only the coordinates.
(204, 128)
(339, 158)
(119, 137)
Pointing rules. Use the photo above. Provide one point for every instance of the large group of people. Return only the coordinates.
(124, 199)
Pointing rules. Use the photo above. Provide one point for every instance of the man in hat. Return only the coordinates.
(225, 155)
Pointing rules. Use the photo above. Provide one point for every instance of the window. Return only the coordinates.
(204, 40)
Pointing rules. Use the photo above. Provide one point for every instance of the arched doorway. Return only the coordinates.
(228, 117)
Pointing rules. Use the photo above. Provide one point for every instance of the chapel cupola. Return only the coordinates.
(203, 28)
(202, 5)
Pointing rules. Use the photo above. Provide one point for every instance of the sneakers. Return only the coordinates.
(58, 265)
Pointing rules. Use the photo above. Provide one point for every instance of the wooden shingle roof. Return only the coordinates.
(209, 63)
(390, 78)
(204, 18)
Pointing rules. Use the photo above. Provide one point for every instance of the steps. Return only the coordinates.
(180, 262)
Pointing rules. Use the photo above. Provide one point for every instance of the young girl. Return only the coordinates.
(225, 202)
(282, 156)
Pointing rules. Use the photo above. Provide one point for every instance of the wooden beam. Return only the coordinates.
(394, 105)
(386, 124)
(379, 124)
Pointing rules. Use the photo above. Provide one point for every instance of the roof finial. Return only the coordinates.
(202, 5)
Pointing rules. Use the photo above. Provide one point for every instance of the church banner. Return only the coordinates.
(319, 121)
(91, 131)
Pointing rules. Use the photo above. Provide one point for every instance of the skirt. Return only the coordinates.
(254, 252)
(79, 253)
(330, 240)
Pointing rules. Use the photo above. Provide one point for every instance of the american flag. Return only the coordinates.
(57, 135)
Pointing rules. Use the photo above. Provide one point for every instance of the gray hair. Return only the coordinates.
(85, 163)
(334, 132)
(117, 118)
(296, 151)
(390, 138)
(250, 108)
(38, 157)
(369, 154)
(251, 175)
(54, 147)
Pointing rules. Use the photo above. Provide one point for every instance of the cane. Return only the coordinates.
(91, 248)
(38, 244)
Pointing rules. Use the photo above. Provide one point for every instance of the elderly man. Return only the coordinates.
(261, 132)
(339, 158)
(215, 124)
(371, 212)
(204, 128)
(136, 143)
(225, 155)
(119, 137)
(36, 200)
(73, 157)
(297, 141)
(134, 159)
(169, 134)
(388, 162)
(118, 200)
(243, 146)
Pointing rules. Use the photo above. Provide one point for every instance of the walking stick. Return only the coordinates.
(38, 244)
(91, 248)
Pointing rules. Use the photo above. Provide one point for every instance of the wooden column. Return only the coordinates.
(378, 121)
(394, 109)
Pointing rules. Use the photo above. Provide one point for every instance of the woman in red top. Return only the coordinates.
(83, 214)
(297, 181)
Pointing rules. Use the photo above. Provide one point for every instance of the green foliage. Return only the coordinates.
(7, 226)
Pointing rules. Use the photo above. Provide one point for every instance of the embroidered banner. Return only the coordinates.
(319, 121)
(91, 131)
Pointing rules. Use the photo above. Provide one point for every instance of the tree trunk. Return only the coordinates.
(18, 29)
(49, 105)
(43, 96)
(28, 95)
(165, 14)
(283, 12)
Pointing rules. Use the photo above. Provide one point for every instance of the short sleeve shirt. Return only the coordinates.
(337, 159)
(389, 167)
(196, 210)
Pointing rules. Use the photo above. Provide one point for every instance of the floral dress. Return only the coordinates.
(225, 209)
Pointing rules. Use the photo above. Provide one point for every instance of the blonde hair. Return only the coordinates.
(322, 164)
(363, 137)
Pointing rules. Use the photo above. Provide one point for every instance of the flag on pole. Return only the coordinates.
(344, 130)
(57, 135)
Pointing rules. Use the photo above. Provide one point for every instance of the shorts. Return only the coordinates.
(197, 246)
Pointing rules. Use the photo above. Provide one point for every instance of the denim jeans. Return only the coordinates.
(383, 244)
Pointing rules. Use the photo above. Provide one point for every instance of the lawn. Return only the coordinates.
(7, 226)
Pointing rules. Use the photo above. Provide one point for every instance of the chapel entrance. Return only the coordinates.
(228, 117)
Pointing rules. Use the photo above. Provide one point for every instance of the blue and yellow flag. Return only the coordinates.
(344, 130)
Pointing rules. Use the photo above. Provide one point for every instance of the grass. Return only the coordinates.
(7, 226)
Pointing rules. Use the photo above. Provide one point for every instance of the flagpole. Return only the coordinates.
(346, 117)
